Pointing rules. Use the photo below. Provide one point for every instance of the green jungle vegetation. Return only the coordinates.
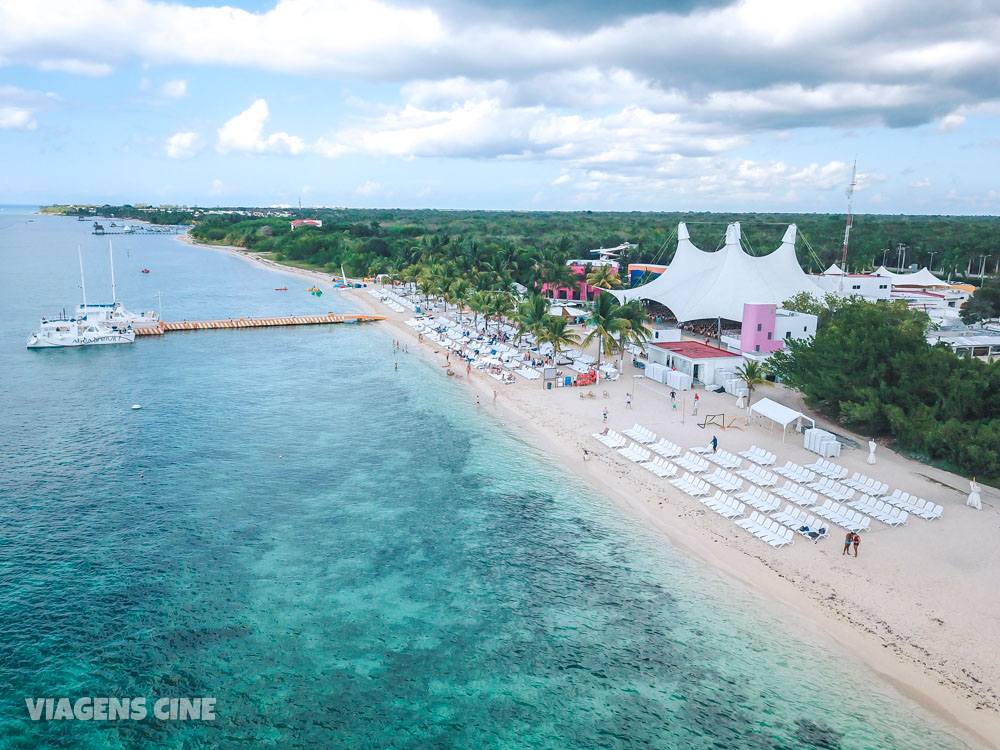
(512, 243)
(869, 367)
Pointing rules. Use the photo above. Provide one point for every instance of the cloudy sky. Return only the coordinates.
(633, 105)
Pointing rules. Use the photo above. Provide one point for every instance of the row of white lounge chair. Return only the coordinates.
(796, 473)
(759, 476)
(866, 485)
(916, 505)
(767, 529)
(759, 456)
(838, 504)
(828, 469)
(881, 510)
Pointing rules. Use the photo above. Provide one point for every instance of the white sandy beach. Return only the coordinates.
(920, 606)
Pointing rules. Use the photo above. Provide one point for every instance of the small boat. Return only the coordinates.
(145, 270)
(281, 288)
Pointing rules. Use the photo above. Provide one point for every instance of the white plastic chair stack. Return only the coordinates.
(822, 442)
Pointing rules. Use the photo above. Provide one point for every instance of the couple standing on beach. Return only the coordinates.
(854, 539)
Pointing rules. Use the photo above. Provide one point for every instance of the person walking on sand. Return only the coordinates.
(847, 542)
(715, 444)
(468, 368)
(696, 404)
(586, 455)
(857, 543)
(605, 415)
(628, 400)
(494, 398)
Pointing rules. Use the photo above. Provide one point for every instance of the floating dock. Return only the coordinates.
(158, 329)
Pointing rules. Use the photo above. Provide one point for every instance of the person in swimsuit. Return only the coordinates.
(857, 543)
(847, 542)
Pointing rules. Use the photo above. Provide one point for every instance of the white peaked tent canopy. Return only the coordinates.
(923, 277)
(778, 413)
(833, 270)
(699, 284)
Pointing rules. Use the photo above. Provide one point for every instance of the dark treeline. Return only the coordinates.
(368, 241)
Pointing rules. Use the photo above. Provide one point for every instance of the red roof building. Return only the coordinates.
(306, 223)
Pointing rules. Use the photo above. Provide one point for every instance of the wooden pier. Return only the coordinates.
(158, 329)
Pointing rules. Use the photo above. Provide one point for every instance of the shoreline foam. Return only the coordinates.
(904, 641)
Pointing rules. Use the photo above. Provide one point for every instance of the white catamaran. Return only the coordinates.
(93, 325)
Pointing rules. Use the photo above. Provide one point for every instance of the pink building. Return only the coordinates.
(581, 290)
(758, 329)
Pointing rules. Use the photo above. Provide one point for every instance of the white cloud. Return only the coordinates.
(562, 179)
(18, 107)
(174, 89)
(15, 118)
(921, 183)
(244, 133)
(183, 145)
(76, 67)
(951, 122)
(217, 187)
(369, 188)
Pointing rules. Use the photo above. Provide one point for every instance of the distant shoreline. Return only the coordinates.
(853, 618)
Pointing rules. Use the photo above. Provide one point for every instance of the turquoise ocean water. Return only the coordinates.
(344, 555)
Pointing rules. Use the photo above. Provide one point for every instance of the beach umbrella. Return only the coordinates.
(872, 445)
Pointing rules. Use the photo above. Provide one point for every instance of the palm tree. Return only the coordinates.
(554, 332)
(458, 293)
(479, 303)
(532, 314)
(637, 330)
(606, 324)
(501, 304)
(752, 373)
(604, 277)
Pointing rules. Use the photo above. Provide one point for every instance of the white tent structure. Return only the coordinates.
(699, 284)
(833, 270)
(922, 278)
(778, 413)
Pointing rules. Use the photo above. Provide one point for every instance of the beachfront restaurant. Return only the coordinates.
(693, 358)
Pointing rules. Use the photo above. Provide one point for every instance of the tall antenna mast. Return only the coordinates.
(83, 287)
(111, 253)
(850, 216)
